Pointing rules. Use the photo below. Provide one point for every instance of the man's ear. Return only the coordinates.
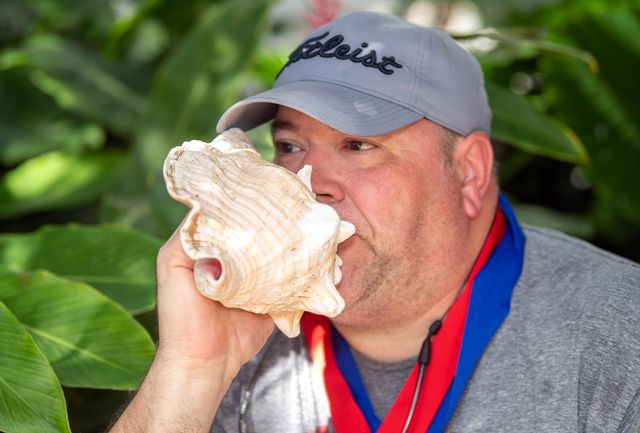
(473, 162)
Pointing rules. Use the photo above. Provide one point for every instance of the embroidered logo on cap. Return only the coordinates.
(333, 47)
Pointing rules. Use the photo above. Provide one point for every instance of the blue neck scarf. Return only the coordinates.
(489, 305)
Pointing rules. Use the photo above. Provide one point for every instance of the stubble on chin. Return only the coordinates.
(386, 287)
(370, 290)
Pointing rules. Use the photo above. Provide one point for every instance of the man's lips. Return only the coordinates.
(347, 244)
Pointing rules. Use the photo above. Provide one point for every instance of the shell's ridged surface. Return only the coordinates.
(276, 244)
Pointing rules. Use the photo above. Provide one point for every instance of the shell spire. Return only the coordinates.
(276, 244)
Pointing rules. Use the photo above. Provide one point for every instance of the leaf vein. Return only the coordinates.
(73, 347)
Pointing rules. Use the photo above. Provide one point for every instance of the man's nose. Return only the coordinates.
(325, 174)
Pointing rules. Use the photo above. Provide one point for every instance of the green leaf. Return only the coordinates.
(602, 108)
(31, 398)
(80, 81)
(31, 124)
(150, 40)
(56, 180)
(119, 262)
(200, 78)
(132, 23)
(614, 38)
(88, 18)
(524, 43)
(16, 20)
(266, 64)
(517, 123)
(573, 224)
(44, 135)
(593, 111)
(497, 12)
(89, 340)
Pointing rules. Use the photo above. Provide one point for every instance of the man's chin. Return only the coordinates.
(349, 293)
(354, 256)
(349, 317)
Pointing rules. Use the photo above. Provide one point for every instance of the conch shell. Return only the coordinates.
(276, 244)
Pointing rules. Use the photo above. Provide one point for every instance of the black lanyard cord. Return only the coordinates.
(423, 360)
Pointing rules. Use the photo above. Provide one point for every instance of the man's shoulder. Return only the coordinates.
(568, 350)
(554, 259)
(555, 249)
(570, 283)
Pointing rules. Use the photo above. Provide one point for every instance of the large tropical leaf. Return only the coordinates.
(43, 135)
(592, 110)
(56, 180)
(80, 81)
(31, 398)
(613, 36)
(16, 20)
(522, 44)
(148, 34)
(517, 123)
(199, 80)
(86, 18)
(31, 123)
(89, 340)
(118, 261)
(602, 108)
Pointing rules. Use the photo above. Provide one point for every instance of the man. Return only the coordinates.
(512, 331)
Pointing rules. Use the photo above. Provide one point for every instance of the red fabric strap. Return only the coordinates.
(445, 349)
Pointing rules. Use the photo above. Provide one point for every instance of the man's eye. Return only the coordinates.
(284, 147)
(359, 145)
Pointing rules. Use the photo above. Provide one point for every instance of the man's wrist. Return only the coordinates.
(196, 386)
(221, 369)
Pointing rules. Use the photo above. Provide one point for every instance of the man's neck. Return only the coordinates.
(400, 343)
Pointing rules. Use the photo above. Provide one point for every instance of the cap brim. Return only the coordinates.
(342, 108)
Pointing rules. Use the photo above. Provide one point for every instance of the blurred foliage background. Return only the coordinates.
(94, 93)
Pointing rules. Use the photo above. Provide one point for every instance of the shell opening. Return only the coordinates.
(212, 267)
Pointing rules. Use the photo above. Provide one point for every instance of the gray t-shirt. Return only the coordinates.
(566, 358)
(383, 381)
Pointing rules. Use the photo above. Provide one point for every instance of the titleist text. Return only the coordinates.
(333, 47)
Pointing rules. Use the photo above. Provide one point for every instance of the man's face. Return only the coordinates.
(405, 202)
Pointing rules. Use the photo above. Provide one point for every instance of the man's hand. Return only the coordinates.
(195, 329)
(202, 346)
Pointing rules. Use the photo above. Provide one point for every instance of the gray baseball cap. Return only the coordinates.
(369, 74)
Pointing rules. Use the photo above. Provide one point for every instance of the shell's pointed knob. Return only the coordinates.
(345, 231)
(305, 176)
